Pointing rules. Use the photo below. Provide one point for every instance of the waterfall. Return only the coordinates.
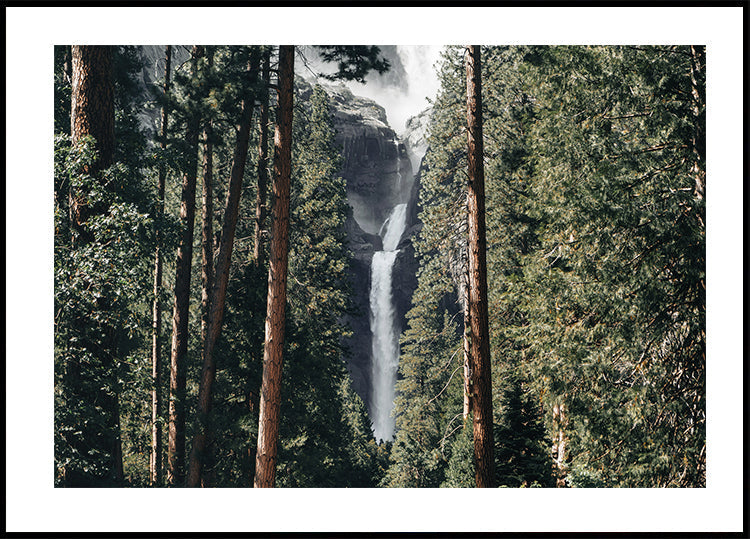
(385, 334)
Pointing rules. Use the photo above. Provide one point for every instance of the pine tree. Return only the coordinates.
(265, 466)
(98, 315)
(261, 193)
(177, 376)
(223, 261)
(429, 401)
(155, 464)
(314, 427)
(616, 303)
(478, 336)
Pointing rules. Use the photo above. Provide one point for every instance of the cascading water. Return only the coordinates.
(385, 349)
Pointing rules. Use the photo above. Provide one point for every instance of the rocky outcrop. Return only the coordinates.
(376, 165)
(379, 170)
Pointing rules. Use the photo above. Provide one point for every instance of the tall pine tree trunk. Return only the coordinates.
(478, 334)
(260, 200)
(155, 467)
(270, 398)
(464, 301)
(93, 114)
(207, 255)
(219, 289)
(177, 373)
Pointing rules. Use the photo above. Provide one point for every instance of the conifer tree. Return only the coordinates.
(313, 426)
(155, 463)
(100, 276)
(223, 261)
(177, 376)
(478, 337)
(92, 121)
(265, 466)
(261, 194)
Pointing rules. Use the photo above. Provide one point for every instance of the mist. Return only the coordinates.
(403, 91)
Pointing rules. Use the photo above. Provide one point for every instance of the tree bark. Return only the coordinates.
(93, 114)
(155, 467)
(478, 335)
(260, 200)
(177, 374)
(218, 292)
(560, 442)
(270, 399)
(92, 101)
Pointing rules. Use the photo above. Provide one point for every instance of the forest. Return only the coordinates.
(206, 246)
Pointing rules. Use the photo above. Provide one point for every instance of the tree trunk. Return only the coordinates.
(559, 445)
(260, 200)
(478, 334)
(219, 289)
(467, 368)
(207, 279)
(93, 114)
(177, 374)
(67, 66)
(155, 467)
(270, 399)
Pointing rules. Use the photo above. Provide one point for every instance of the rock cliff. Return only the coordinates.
(379, 169)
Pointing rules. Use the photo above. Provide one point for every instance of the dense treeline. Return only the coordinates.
(594, 172)
(105, 284)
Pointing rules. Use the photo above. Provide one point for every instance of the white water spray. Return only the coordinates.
(385, 349)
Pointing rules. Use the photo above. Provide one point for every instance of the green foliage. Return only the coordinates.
(353, 62)
(62, 89)
(594, 166)
(596, 262)
(97, 322)
(521, 443)
(460, 470)
(580, 477)
(621, 222)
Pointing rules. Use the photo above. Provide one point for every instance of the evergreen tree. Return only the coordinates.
(323, 441)
(622, 221)
(268, 428)
(180, 322)
(101, 205)
(215, 303)
(155, 464)
(429, 392)
(477, 333)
